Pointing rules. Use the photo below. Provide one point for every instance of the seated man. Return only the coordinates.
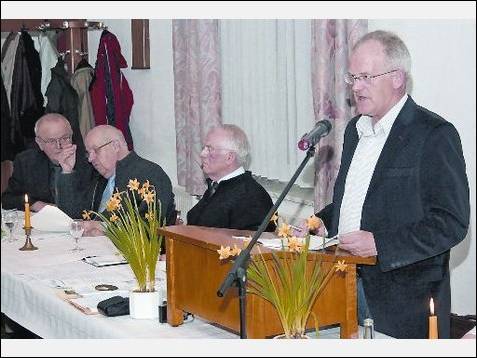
(234, 199)
(107, 150)
(36, 171)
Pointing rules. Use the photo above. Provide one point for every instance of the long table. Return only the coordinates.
(28, 298)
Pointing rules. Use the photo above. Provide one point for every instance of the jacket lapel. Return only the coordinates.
(397, 138)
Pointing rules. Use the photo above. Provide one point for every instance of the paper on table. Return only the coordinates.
(50, 218)
(105, 260)
(316, 242)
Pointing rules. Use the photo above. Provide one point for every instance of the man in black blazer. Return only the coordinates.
(401, 193)
(233, 199)
(107, 150)
(36, 171)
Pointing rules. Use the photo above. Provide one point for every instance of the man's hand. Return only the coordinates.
(359, 243)
(93, 228)
(67, 159)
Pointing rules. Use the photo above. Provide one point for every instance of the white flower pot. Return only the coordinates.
(144, 305)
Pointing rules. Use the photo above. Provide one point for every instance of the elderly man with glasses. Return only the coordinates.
(233, 199)
(36, 171)
(107, 151)
(401, 193)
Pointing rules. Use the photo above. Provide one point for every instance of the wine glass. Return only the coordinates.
(10, 220)
(76, 231)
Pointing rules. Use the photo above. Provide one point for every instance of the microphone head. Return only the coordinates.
(321, 129)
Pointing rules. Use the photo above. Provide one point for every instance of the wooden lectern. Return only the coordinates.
(194, 274)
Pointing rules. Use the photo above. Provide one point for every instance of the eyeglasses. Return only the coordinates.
(95, 150)
(58, 141)
(211, 149)
(351, 79)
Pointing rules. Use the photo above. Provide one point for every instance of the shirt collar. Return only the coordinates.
(365, 127)
(234, 174)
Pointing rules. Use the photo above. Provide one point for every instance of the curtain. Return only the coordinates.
(266, 90)
(332, 41)
(196, 95)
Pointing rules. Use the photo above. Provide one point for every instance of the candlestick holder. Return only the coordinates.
(28, 245)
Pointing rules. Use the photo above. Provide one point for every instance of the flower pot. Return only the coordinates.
(144, 305)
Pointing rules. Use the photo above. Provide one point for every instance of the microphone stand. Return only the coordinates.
(238, 272)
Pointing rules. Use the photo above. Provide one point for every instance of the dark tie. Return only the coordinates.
(212, 187)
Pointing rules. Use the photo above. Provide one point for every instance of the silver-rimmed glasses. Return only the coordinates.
(95, 150)
(351, 79)
(66, 139)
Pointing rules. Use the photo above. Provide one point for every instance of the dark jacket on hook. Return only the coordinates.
(110, 93)
(63, 99)
(26, 103)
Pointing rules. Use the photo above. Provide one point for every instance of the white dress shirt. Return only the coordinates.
(371, 143)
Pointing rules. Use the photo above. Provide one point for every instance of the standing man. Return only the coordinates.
(36, 171)
(401, 193)
(233, 199)
(107, 150)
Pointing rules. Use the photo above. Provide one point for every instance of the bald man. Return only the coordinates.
(36, 171)
(107, 151)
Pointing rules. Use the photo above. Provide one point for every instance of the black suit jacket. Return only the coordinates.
(238, 203)
(132, 166)
(417, 207)
(31, 175)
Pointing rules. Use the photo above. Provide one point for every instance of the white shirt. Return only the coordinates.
(234, 174)
(368, 150)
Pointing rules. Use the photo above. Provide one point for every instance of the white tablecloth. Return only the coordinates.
(28, 298)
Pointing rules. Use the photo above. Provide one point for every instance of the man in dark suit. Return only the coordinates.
(107, 150)
(401, 193)
(36, 171)
(233, 199)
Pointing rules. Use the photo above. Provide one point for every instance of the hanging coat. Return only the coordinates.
(63, 99)
(26, 104)
(81, 81)
(9, 50)
(110, 93)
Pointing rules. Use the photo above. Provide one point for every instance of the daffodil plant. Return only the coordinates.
(290, 282)
(134, 235)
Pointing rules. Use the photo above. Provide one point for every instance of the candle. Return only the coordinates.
(27, 212)
(432, 322)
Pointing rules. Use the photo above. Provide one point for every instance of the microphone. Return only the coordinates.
(321, 129)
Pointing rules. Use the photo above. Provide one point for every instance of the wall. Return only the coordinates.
(444, 81)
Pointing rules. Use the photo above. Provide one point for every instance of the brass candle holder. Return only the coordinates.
(28, 245)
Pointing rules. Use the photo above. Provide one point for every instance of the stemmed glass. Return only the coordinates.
(10, 220)
(76, 231)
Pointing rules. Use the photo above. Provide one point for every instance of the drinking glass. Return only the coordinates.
(76, 231)
(10, 220)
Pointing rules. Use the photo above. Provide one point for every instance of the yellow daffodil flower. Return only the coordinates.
(274, 218)
(235, 251)
(149, 197)
(113, 204)
(284, 230)
(113, 218)
(295, 244)
(133, 185)
(224, 252)
(341, 266)
(86, 215)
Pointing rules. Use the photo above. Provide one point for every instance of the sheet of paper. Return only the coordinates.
(105, 260)
(316, 242)
(50, 218)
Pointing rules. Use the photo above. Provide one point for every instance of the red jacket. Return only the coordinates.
(111, 97)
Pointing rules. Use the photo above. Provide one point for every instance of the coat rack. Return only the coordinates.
(76, 35)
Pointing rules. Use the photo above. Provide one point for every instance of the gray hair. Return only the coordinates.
(238, 142)
(52, 118)
(394, 48)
